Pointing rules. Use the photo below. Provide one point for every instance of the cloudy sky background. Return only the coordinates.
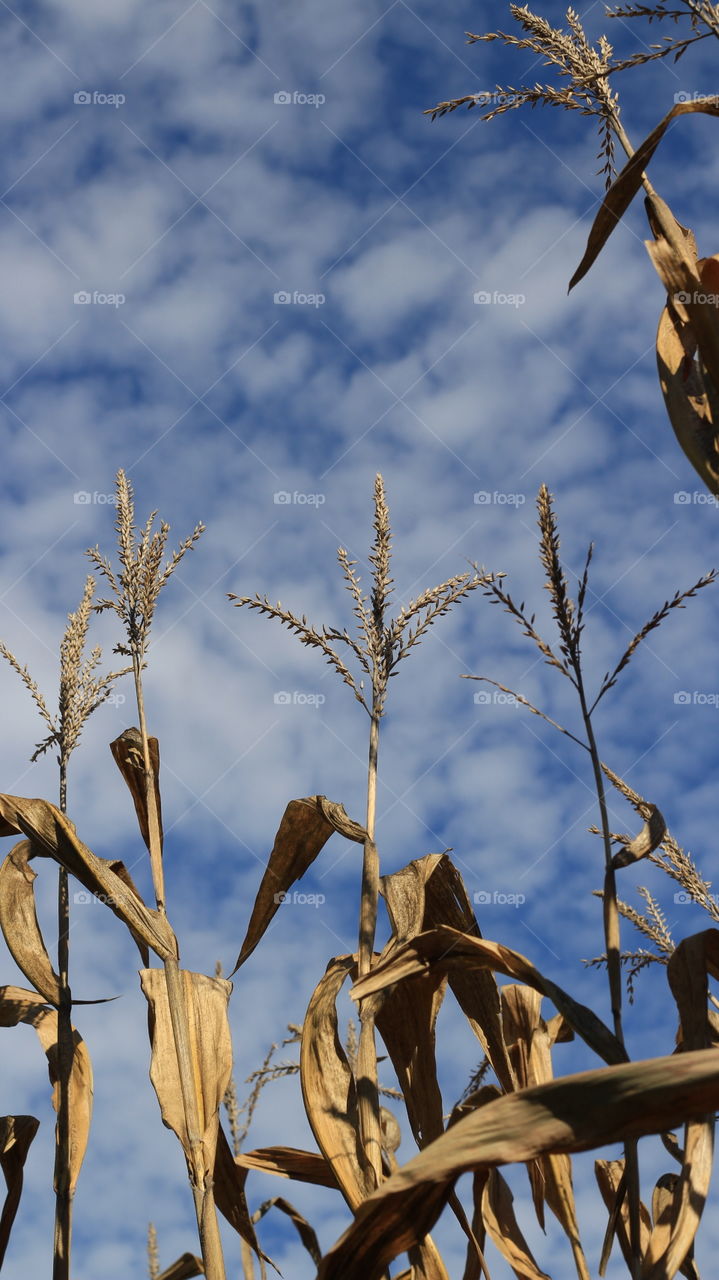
(199, 199)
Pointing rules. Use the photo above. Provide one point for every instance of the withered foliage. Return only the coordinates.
(687, 345)
(516, 1108)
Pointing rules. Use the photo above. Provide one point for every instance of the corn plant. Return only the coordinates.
(521, 1114)
(687, 343)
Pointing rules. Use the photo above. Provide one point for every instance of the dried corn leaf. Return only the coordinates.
(612, 1185)
(127, 754)
(663, 1213)
(18, 1005)
(183, 1268)
(503, 1228)
(406, 1022)
(288, 1162)
(120, 870)
(669, 1141)
(210, 1048)
(404, 895)
(229, 1188)
(426, 1261)
(681, 274)
(53, 835)
(623, 190)
(664, 1209)
(80, 1089)
(328, 1086)
(691, 399)
(551, 1174)
(479, 1098)
(649, 839)
(458, 1210)
(521, 1018)
(671, 1240)
(391, 1133)
(429, 892)
(559, 1030)
(443, 949)
(304, 1230)
(19, 923)
(16, 1135)
(477, 994)
(475, 1265)
(574, 1113)
(305, 828)
(690, 963)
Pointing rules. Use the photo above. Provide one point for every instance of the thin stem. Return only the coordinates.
(153, 821)
(65, 1054)
(623, 137)
(368, 1104)
(370, 868)
(202, 1187)
(614, 969)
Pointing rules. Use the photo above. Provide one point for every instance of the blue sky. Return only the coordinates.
(186, 212)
